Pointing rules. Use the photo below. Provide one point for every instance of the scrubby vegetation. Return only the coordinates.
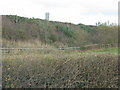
(60, 70)
(51, 62)
(19, 28)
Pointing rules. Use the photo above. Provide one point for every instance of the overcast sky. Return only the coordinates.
(73, 11)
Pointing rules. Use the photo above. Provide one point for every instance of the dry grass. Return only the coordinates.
(60, 70)
(24, 44)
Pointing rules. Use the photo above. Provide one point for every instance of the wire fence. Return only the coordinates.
(86, 47)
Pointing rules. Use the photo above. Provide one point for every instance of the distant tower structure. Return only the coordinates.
(47, 16)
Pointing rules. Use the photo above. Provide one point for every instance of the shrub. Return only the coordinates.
(53, 37)
(66, 30)
(89, 29)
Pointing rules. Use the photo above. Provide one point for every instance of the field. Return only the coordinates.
(61, 69)
(41, 54)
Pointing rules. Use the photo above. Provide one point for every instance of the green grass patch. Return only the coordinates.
(107, 50)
